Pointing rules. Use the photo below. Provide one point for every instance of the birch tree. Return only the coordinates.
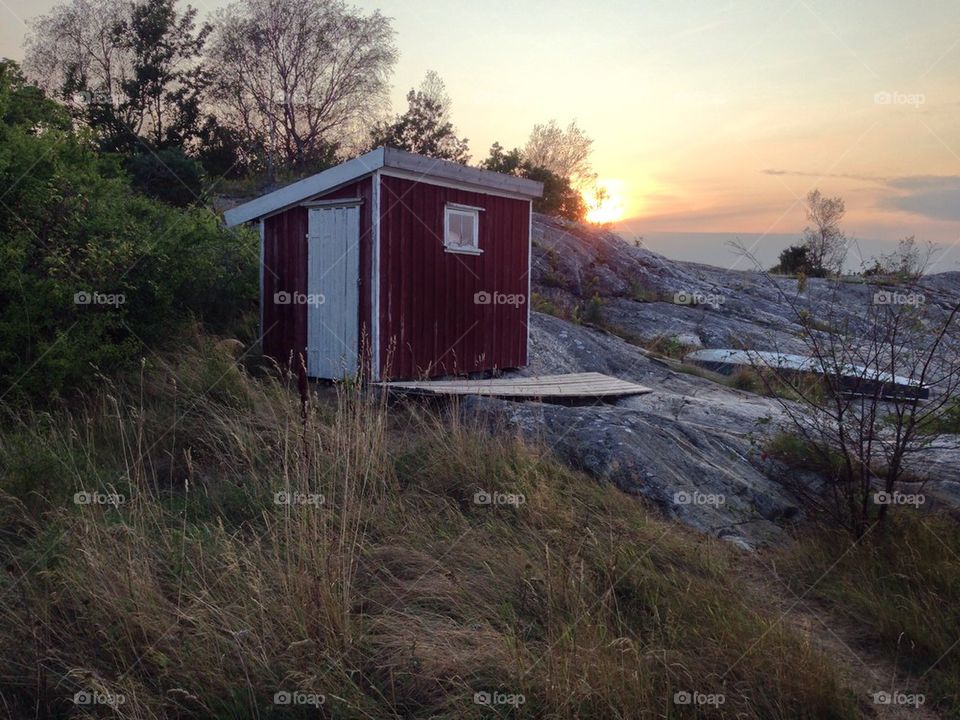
(298, 77)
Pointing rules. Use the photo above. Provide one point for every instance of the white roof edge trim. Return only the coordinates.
(425, 168)
(453, 184)
(430, 167)
(302, 189)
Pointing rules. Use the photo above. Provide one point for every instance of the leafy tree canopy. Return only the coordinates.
(559, 197)
(425, 128)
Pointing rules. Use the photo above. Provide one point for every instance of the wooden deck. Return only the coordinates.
(562, 387)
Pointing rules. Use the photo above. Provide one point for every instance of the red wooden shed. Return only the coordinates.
(403, 265)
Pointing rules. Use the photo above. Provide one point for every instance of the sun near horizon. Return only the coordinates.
(610, 205)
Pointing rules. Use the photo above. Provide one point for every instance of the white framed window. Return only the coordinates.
(461, 229)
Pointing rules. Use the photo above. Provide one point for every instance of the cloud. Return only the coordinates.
(936, 197)
(837, 176)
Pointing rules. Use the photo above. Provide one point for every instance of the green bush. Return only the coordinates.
(91, 273)
(168, 175)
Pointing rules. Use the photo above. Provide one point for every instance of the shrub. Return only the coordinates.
(592, 313)
(669, 346)
(167, 175)
(92, 273)
(545, 305)
(793, 260)
(947, 421)
(746, 379)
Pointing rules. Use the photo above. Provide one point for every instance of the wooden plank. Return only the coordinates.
(526, 388)
(573, 385)
(513, 380)
(530, 386)
(573, 379)
(541, 393)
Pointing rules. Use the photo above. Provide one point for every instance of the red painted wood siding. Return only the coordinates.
(430, 323)
(285, 270)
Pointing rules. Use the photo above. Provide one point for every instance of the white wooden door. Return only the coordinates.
(333, 273)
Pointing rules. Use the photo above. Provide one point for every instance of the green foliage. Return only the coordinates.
(593, 311)
(222, 152)
(25, 106)
(794, 260)
(159, 103)
(746, 379)
(545, 305)
(799, 453)
(90, 272)
(947, 421)
(823, 247)
(906, 264)
(425, 127)
(560, 198)
(167, 175)
(669, 346)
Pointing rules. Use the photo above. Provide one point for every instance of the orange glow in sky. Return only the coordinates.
(611, 206)
(715, 117)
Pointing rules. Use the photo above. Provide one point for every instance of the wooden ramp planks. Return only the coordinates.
(575, 385)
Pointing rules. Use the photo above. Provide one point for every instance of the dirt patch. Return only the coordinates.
(855, 653)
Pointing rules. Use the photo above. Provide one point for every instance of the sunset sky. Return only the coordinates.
(707, 116)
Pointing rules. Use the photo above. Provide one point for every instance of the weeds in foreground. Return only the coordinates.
(901, 581)
(229, 546)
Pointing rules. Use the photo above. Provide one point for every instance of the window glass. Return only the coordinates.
(461, 228)
(466, 229)
(455, 235)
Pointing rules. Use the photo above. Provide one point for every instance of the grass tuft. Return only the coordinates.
(338, 549)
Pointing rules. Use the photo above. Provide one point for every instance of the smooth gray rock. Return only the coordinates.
(691, 448)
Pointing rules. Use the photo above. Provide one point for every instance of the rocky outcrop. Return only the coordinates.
(692, 448)
(646, 295)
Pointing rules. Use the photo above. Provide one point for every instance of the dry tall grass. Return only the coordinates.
(902, 583)
(375, 581)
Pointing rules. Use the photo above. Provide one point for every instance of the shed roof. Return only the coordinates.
(418, 167)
